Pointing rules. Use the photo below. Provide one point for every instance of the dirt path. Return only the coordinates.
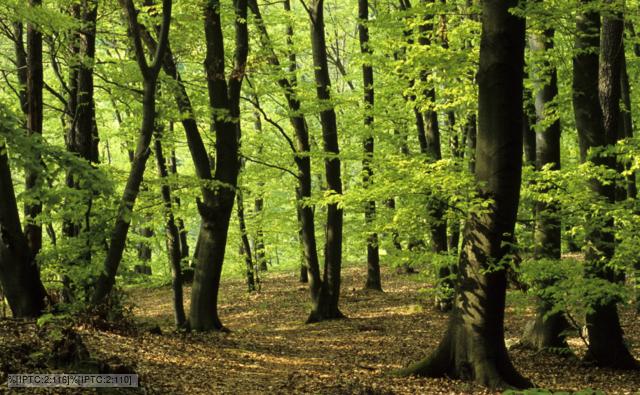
(270, 350)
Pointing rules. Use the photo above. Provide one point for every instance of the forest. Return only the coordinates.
(321, 196)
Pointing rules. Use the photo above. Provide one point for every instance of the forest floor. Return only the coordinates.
(270, 350)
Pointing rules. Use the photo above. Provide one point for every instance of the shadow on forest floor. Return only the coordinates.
(270, 350)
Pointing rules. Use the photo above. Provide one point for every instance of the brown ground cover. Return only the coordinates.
(271, 351)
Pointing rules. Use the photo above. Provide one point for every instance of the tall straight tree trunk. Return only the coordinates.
(215, 210)
(473, 346)
(184, 242)
(327, 306)
(82, 132)
(246, 245)
(304, 273)
(261, 257)
(430, 145)
(301, 147)
(106, 279)
(258, 205)
(172, 232)
(548, 329)
(35, 84)
(373, 255)
(596, 121)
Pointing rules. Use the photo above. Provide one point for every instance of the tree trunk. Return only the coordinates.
(246, 245)
(471, 130)
(106, 279)
(261, 258)
(547, 330)
(172, 232)
(19, 272)
(301, 147)
(35, 83)
(528, 131)
(327, 307)
(596, 122)
(258, 205)
(373, 256)
(430, 145)
(215, 210)
(82, 134)
(304, 274)
(473, 347)
(184, 242)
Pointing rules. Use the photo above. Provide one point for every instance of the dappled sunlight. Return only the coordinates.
(270, 349)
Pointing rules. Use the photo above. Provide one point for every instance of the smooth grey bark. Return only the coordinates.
(548, 330)
(473, 346)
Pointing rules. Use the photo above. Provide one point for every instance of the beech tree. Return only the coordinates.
(549, 327)
(473, 345)
(596, 103)
(217, 204)
(19, 271)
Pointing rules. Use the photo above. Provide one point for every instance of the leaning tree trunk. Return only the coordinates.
(597, 124)
(373, 256)
(473, 347)
(172, 231)
(548, 329)
(106, 279)
(19, 272)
